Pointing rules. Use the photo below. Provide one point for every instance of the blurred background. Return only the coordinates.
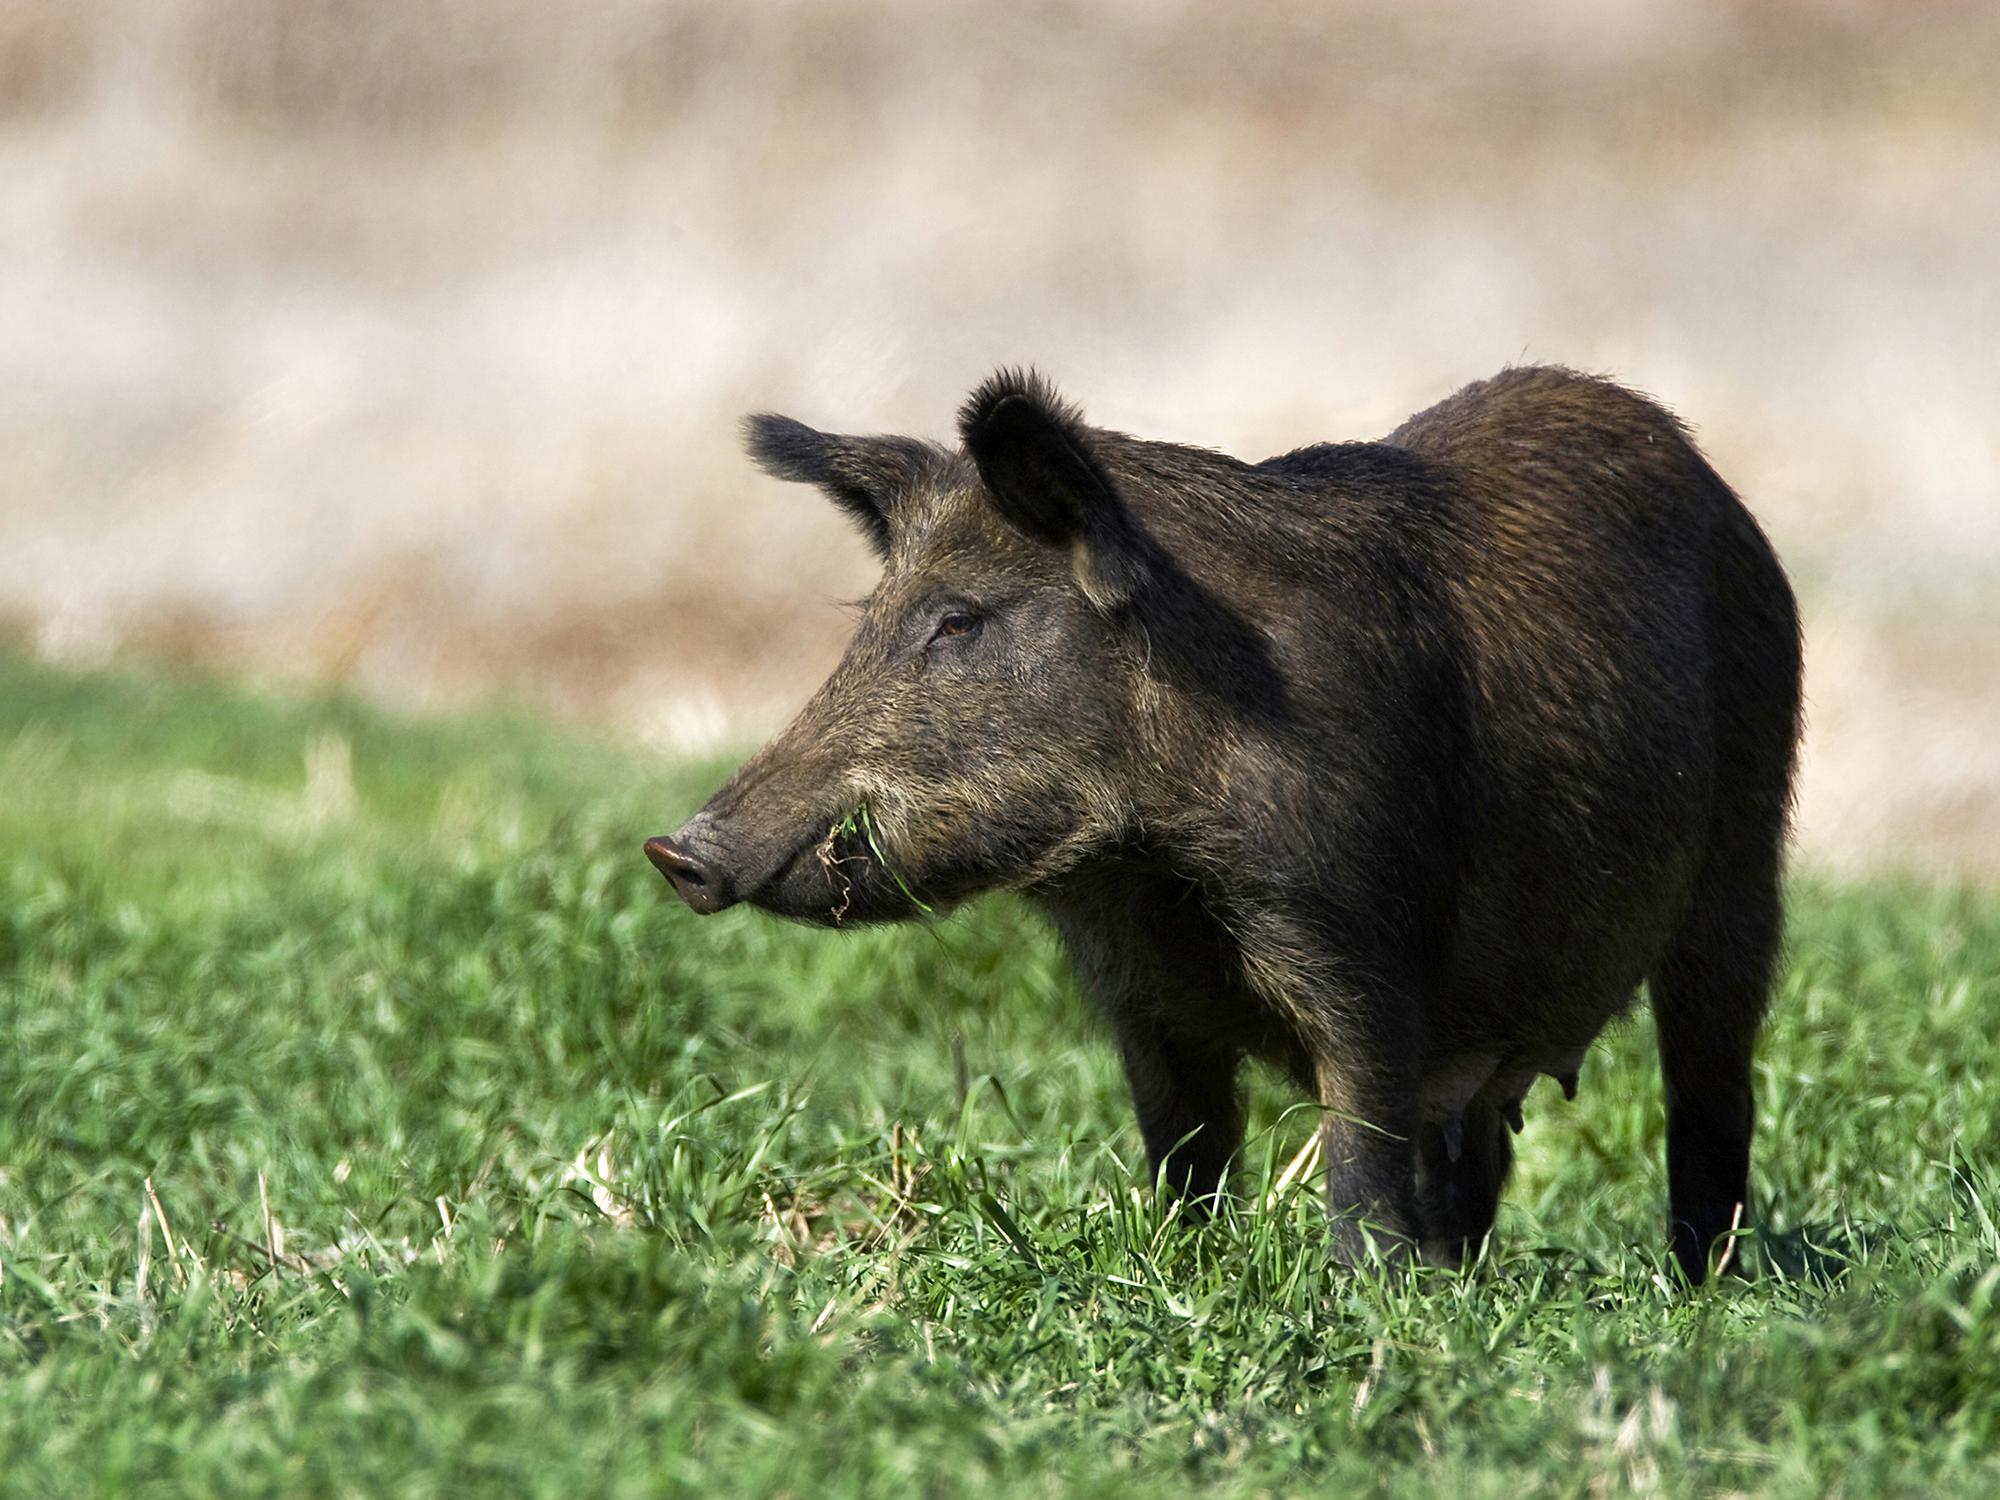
(400, 344)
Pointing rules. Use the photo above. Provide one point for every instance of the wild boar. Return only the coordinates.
(1400, 765)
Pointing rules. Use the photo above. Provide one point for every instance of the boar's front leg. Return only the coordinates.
(1353, 1030)
(1189, 1105)
(1367, 1142)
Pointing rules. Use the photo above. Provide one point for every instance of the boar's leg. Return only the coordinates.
(1368, 1134)
(1710, 989)
(1189, 1105)
(1356, 1038)
(1370, 1170)
(1708, 1000)
(1459, 1191)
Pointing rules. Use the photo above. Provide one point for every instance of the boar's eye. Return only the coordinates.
(956, 625)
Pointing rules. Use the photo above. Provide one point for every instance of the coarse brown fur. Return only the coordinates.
(1400, 765)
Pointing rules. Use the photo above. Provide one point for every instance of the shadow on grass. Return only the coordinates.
(1822, 1254)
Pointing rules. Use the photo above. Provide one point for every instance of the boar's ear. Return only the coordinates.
(864, 476)
(1035, 455)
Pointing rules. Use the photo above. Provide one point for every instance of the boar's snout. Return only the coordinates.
(701, 883)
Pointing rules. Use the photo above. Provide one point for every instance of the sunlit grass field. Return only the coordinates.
(372, 1122)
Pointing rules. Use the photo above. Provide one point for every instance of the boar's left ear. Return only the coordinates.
(864, 476)
(1034, 454)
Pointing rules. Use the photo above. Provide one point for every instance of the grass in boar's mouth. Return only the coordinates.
(477, 1167)
(862, 821)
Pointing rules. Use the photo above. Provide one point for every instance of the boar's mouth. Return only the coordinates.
(835, 877)
(841, 878)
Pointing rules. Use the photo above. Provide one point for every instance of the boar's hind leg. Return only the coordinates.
(1190, 1109)
(1458, 1190)
(1708, 1000)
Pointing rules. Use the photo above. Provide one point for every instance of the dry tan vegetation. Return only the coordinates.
(401, 342)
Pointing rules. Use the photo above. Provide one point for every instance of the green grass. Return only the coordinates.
(580, 1195)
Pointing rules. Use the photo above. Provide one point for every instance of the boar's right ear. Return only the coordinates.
(1034, 454)
(864, 476)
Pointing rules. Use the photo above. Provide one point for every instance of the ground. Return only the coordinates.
(374, 1122)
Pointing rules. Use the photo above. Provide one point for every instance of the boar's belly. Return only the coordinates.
(1451, 1083)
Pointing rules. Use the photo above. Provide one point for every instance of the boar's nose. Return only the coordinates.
(695, 880)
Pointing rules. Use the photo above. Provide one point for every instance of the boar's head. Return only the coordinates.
(970, 736)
